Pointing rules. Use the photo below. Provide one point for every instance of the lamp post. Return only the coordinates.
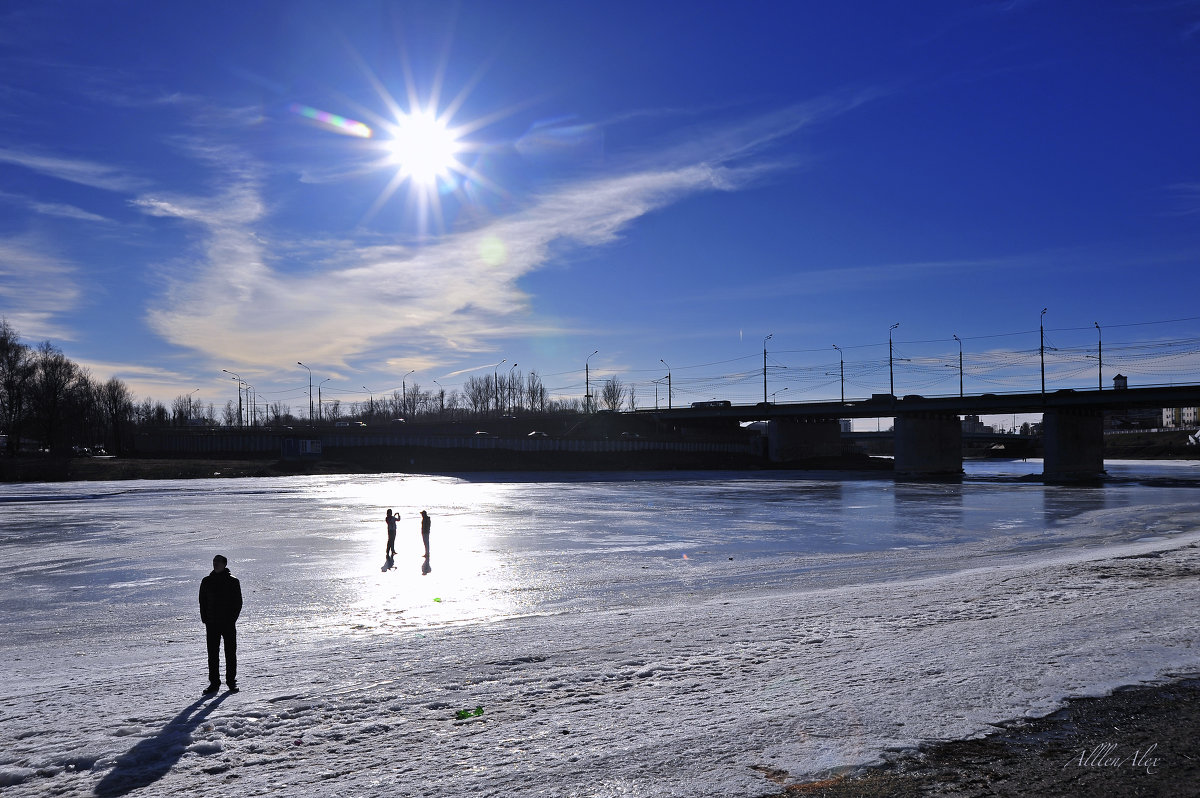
(1099, 357)
(960, 368)
(891, 374)
(404, 392)
(660, 360)
(189, 403)
(1042, 349)
(320, 406)
(239, 382)
(496, 383)
(587, 384)
(508, 389)
(310, 418)
(252, 396)
(776, 393)
(841, 371)
(768, 338)
(441, 398)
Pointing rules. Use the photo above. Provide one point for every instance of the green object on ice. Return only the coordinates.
(438, 600)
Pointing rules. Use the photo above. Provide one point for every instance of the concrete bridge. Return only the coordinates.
(928, 430)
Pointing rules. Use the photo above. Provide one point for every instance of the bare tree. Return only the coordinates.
(478, 392)
(117, 404)
(535, 391)
(632, 396)
(52, 383)
(613, 393)
(16, 376)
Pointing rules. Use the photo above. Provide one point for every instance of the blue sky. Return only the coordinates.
(662, 182)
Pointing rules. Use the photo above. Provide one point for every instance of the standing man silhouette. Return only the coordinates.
(426, 523)
(390, 520)
(220, 605)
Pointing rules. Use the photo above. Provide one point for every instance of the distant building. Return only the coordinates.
(1180, 417)
(972, 424)
(1120, 382)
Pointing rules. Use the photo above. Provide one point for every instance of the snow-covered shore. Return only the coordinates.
(692, 692)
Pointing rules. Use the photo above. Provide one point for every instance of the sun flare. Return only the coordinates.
(424, 148)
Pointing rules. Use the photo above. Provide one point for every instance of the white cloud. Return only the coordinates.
(86, 173)
(459, 292)
(36, 288)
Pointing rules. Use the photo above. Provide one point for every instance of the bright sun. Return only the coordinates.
(424, 148)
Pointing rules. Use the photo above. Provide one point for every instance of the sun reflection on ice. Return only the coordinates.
(466, 579)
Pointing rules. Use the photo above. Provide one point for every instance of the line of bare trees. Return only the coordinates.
(48, 402)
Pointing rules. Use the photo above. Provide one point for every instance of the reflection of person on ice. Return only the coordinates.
(426, 522)
(220, 605)
(390, 520)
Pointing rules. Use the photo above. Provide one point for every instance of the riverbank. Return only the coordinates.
(1140, 741)
(381, 460)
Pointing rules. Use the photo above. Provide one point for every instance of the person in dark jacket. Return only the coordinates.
(426, 523)
(220, 605)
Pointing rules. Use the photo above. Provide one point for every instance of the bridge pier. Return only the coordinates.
(1073, 440)
(928, 444)
(803, 439)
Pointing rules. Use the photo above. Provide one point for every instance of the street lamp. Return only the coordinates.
(841, 371)
(587, 384)
(496, 382)
(310, 418)
(441, 397)
(660, 360)
(891, 375)
(768, 338)
(404, 392)
(508, 388)
(1099, 357)
(239, 382)
(250, 397)
(960, 368)
(1042, 350)
(773, 395)
(321, 407)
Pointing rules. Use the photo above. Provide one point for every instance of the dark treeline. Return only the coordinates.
(49, 403)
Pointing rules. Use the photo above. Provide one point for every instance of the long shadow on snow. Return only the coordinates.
(153, 758)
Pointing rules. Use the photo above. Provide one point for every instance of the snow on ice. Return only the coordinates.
(562, 645)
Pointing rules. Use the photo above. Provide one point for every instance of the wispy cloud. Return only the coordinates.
(36, 288)
(86, 173)
(58, 209)
(240, 303)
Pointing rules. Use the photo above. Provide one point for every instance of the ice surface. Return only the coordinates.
(640, 634)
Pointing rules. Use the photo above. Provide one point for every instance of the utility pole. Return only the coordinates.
(891, 375)
(239, 382)
(1099, 357)
(768, 338)
(320, 405)
(587, 384)
(960, 368)
(306, 368)
(1042, 349)
(660, 360)
(841, 371)
(404, 393)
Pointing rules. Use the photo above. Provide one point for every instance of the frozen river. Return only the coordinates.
(632, 634)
